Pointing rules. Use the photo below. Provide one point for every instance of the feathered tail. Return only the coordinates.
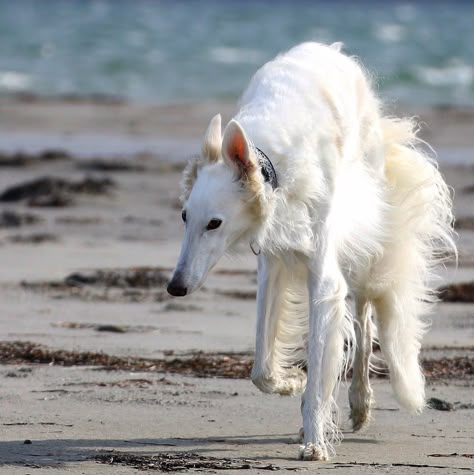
(420, 236)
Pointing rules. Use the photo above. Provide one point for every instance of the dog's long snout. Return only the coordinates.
(177, 288)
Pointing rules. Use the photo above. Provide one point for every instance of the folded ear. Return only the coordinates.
(236, 149)
(190, 174)
(211, 146)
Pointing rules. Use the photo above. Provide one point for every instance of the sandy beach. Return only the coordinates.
(103, 372)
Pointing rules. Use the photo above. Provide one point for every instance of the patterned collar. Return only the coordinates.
(267, 169)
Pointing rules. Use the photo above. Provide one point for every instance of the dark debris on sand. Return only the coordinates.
(460, 292)
(142, 277)
(439, 404)
(100, 165)
(104, 327)
(55, 190)
(140, 383)
(56, 199)
(197, 364)
(181, 461)
(134, 284)
(22, 159)
(35, 238)
(78, 220)
(449, 368)
(12, 219)
(238, 294)
(140, 220)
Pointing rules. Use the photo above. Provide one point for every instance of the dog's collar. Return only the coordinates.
(267, 169)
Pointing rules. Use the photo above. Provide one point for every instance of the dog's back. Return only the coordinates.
(308, 99)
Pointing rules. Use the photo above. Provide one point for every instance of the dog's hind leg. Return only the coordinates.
(269, 372)
(360, 392)
(328, 327)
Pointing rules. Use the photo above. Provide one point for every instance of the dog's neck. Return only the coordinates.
(267, 169)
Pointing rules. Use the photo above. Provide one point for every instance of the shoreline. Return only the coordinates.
(178, 150)
(90, 128)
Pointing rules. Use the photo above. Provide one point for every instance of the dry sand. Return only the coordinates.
(76, 415)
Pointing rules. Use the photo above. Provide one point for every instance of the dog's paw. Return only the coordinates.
(266, 382)
(360, 418)
(294, 381)
(360, 409)
(310, 451)
(289, 383)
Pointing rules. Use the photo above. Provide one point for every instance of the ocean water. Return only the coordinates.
(176, 51)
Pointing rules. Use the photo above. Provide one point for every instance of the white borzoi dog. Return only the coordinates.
(334, 198)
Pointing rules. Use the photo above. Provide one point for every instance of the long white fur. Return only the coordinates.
(358, 208)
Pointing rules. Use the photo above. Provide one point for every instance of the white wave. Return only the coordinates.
(14, 81)
(230, 55)
(455, 74)
(389, 32)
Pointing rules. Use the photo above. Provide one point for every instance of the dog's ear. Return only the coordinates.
(189, 177)
(236, 150)
(210, 153)
(212, 143)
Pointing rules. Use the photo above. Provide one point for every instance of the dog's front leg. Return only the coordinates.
(327, 293)
(267, 373)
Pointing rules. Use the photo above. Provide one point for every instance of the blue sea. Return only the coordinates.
(178, 51)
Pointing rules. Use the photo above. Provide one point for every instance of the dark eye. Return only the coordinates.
(183, 215)
(213, 224)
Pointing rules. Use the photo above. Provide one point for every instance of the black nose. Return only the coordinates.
(176, 289)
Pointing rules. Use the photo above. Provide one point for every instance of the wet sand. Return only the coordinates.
(86, 252)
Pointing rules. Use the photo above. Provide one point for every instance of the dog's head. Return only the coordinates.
(223, 197)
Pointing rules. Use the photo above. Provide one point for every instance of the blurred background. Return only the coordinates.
(180, 51)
